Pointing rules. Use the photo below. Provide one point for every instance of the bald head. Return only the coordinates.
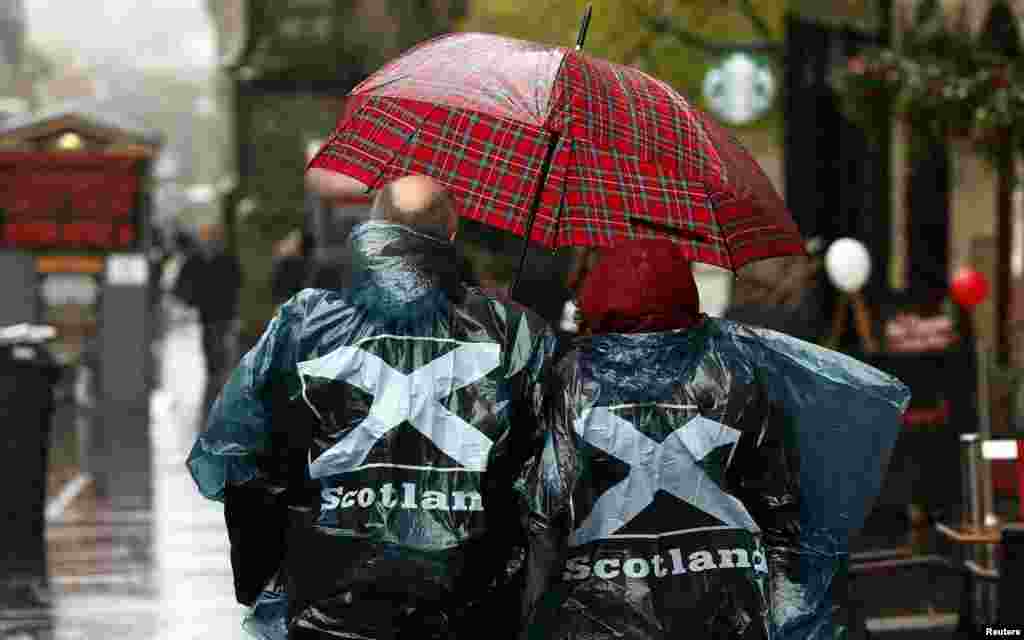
(417, 202)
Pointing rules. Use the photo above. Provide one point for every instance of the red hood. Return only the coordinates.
(643, 286)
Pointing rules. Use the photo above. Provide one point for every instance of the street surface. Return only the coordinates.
(140, 575)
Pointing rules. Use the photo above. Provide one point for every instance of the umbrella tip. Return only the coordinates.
(584, 25)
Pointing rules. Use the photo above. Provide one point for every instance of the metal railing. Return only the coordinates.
(977, 566)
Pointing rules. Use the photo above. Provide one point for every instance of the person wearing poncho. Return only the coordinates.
(422, 401)
(709, 474)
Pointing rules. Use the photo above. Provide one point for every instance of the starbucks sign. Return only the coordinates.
(740, 89)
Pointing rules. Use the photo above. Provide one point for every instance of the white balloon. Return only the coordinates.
(848, 264)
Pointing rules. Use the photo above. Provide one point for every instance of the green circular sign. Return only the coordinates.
(740, 89)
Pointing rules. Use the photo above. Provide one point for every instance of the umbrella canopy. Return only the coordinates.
(565, 148)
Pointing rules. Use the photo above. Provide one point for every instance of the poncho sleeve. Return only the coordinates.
(238, 430)
(843, 418)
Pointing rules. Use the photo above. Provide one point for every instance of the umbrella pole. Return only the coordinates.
(544, 169)
(581, 37)
(584, 26)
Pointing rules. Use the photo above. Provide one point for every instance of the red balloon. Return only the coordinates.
(969, 287)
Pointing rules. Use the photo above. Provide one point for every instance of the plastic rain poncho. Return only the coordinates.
(420, 402)
(707, 479)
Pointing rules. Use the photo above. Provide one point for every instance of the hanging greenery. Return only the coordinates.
(942, 80)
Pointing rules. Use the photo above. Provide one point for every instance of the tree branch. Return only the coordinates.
(760, 24)
(663, 25)
(640, 50)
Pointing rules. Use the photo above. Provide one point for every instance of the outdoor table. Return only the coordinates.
(976, 553)
(969, 535)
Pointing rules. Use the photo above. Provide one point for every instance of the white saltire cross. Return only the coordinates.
(412, 398)
(671, 466)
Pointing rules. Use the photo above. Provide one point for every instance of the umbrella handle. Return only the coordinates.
(584, 26)
(541, 181)
(581, 37)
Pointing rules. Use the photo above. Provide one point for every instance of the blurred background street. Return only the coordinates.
(153, 216)
(143, 573)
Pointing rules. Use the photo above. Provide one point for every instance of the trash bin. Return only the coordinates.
(28, 375)
(1011, 577)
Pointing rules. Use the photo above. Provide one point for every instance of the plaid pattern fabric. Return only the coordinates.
(631, 157)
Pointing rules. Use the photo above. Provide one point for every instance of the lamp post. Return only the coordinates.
(968, 289)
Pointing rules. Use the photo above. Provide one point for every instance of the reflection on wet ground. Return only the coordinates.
(140, 575)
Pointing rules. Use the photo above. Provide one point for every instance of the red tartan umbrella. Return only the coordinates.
(565, 148)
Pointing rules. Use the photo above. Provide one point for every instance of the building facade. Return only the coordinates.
(286, 66)
(12, 48)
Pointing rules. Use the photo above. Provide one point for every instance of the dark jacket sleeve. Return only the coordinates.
(840, 418)
(237, 280)
(530, 348)
(241, 460)
(287, 277)
(546, 488)
(185, 283)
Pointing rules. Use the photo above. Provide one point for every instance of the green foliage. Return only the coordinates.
(672, 40)
(311, 40)
(256, 306)
(295, 43)
(281, 125)
(943, 82)
(862, 15)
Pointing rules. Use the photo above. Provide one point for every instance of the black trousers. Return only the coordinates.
(384, 621)
(496, 618)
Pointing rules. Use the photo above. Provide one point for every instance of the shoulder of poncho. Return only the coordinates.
(307, 302)
(513, 313)
(768, 348)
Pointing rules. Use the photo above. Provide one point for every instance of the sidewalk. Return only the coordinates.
(141, 575)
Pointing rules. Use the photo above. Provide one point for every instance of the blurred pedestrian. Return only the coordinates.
(427, 399)
(185, 248)
(211, 281)
(330, 264)
(290, 271)
(693, 491)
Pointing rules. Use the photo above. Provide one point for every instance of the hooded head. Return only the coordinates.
(641, 287)
(405, 263)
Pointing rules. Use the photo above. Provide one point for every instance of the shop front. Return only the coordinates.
(75, 230)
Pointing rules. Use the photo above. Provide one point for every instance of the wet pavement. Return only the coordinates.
(141, 575)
